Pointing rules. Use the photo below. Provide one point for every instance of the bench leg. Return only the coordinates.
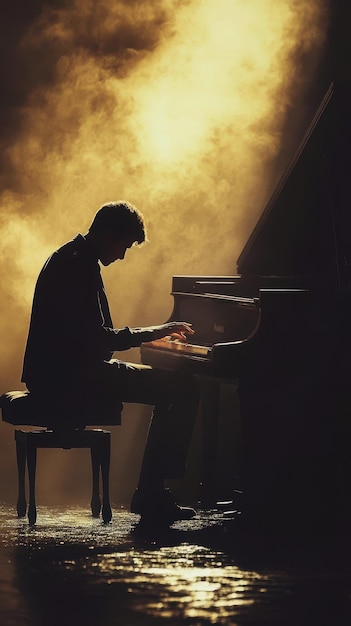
(105, 474)
(32, 464)
(95, 465)
(21, 454)
(100, 458)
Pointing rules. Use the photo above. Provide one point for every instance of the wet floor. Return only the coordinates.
(72, 569)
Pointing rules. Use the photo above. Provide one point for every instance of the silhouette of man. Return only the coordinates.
(69, 351)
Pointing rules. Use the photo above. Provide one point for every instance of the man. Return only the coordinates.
(69, 352)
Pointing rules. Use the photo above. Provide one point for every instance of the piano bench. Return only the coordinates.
(17, 408)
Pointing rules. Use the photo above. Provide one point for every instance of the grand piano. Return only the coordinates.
(279, 331)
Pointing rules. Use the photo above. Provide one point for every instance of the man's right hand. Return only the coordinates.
(177, 330)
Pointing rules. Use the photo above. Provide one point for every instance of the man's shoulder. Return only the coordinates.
(74, 250)
(71, 258)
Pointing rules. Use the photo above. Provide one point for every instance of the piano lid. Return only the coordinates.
(305, 229)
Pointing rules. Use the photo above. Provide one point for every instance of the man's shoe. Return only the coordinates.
(159, 508)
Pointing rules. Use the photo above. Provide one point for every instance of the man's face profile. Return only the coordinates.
(113, 248)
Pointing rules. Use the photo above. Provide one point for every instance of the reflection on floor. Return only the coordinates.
(72, 569)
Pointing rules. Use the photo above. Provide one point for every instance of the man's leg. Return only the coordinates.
(175, 398)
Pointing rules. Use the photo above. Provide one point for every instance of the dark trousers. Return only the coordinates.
(173, 395)
(175, 399)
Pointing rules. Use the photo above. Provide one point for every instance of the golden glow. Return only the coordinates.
(183, 128)
(197, 82)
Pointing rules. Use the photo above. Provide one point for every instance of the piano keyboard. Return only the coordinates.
(168, 343)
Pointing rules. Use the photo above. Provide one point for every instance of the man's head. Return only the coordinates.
(116, 227)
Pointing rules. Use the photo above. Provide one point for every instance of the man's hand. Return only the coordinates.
(177, 330)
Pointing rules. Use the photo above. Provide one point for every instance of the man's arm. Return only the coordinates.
(124, 338)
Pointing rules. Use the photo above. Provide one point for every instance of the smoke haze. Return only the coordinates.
(175, 105)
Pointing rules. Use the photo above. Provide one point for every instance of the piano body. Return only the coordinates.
(279, 330)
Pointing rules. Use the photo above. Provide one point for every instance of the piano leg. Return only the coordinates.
(209, 416)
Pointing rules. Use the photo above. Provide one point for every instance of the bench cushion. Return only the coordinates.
(22, 408)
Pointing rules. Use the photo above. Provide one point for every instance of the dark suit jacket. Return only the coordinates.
(71, 332)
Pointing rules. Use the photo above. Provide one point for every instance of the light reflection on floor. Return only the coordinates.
(191, 582)
(71, 568)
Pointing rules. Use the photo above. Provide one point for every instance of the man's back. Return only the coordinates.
(65, 338)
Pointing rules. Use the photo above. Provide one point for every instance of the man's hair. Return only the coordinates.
(121, 217)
